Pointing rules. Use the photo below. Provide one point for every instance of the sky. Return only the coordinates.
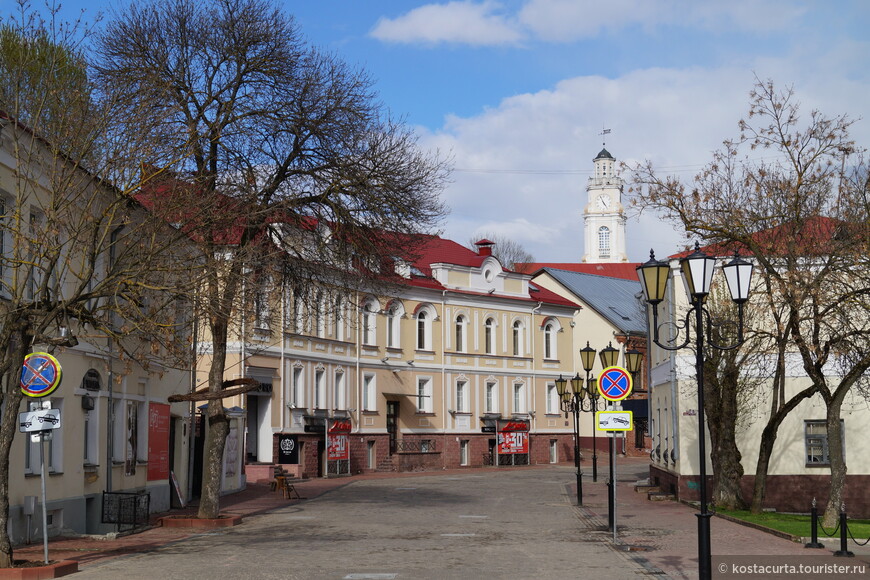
(517, 93)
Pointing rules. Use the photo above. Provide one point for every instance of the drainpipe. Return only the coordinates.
(444, 389)
(675, 431)
(359, 381)
(534, 412)
(110, 421)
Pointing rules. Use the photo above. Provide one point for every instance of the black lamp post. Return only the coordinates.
(569, 402)
(697, 270)
(587, 359)
(609, 356)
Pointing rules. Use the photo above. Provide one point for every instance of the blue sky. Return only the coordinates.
(518, 91)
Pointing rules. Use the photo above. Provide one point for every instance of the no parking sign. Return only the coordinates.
(40, 375)
(614, 384)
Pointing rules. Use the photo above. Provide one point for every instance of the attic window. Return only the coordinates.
(488, 274)
(91, 380)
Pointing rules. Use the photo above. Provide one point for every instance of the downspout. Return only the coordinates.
(359, 382)
(282, 400)
(534, 412)
(191, 440)
(445, 391)
(110, 421)
(675, 430)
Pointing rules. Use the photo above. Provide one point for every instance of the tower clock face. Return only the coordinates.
(603, 201)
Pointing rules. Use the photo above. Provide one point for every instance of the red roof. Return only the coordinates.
(814, 236)
(622, 270)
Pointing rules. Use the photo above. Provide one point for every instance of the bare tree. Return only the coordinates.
(509, 252)
(78, 252)
(802, 215)
(297, 165)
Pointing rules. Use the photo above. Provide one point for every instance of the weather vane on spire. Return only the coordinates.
(603, 134)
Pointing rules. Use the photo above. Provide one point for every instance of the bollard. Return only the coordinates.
(814, 528)
(843, 551)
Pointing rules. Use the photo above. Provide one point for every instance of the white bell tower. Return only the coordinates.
(604, 216)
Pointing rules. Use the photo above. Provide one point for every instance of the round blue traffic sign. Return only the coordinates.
(614, 384)
(40, 375)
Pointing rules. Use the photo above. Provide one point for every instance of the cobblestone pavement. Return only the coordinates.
(516, 523)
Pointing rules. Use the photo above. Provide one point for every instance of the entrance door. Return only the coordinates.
(392, 423)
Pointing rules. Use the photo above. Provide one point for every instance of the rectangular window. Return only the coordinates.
(490, 398)
(554, 451)
(370, 454)
(368, 393)
(424, 395)
(131, 437)
(816, 441)
(462, 396)
(338, 395)
(296, 389)
(319, 390)
(519, 399)
(552, 400)
(463, 452)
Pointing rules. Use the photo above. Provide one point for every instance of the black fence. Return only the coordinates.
(128, 509)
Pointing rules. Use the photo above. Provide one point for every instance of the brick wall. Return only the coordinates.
(785, 493)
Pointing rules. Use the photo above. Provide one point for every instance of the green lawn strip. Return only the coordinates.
(794, 524)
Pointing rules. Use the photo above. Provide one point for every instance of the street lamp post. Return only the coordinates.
(609, 357)
(587, 359)
(570, 403)
(697, 269)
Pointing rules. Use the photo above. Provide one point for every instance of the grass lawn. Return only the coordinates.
(796, 525)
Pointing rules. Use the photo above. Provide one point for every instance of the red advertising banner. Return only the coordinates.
(513, 437)
(158, 441)
(337, 448)
(510, 442)
(340, 426)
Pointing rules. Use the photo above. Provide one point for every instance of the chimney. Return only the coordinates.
(484, 247)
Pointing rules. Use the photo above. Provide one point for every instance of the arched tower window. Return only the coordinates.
(604, 241)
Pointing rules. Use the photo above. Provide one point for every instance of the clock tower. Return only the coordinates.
(604, 216)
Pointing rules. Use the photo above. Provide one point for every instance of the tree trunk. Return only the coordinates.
(218, 429)
(19, 344)
(765, 451)
(838, 463)
(720, 402)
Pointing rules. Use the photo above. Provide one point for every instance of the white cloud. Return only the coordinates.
(487, 24)
(522, 166)
(476, 24)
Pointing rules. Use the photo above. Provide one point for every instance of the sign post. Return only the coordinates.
(614, 384)
(40, 376)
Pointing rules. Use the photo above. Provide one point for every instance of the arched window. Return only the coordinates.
(518, 338)
(424, 318)
(489, 335)
(394, 318)
(369, 322)
(604, 241)
(550, 340)
(461, 324)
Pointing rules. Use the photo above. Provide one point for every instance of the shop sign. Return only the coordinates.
(288, 449)
(513, 442)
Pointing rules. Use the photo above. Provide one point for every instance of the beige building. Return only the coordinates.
(455, 367)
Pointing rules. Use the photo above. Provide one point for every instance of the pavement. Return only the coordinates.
(659, 535)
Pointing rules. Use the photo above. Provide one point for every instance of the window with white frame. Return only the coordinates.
(462, 404)
(490, 397)
(262, 313)
(463, 452)
(517, 336)
(552, 400)
(816, 442)
(550, 340)
(338, 319)
(424, 320)
(368, 393)
(604, 241)
(53, 449)
(369, 323)
(460, 327)
(424, 395)
(319, 389)
(519, 398)
(394, 320)
(319, 315)
(338, 399)
(489, 335)
(297, 388)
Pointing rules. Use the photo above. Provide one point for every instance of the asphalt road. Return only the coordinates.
(507, 524)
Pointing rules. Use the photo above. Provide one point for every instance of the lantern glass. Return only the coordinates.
(609, 356)
(653, 276)
(738, 274)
